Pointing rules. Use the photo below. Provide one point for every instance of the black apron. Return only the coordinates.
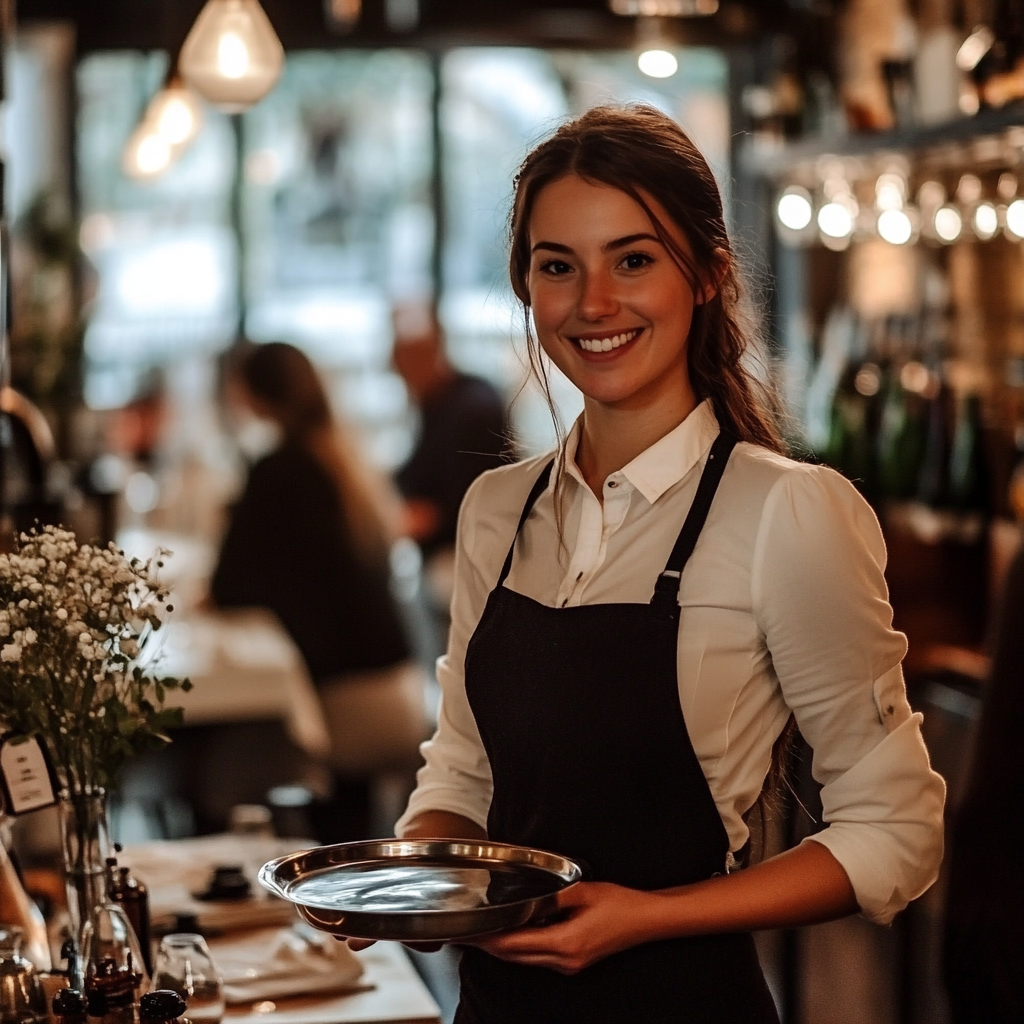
(578, 710)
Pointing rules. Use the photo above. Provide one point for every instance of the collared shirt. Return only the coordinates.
(784, 608)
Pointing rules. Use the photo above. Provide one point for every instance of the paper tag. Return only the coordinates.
(25, 775)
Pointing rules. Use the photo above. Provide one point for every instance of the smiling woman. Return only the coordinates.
(626, 650)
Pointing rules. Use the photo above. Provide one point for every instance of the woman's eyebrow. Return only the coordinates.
(618, 243)
(553, 247)
(615, 243)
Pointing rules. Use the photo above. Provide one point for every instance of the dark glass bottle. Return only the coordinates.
(968, 465)
(133, 898)
(164, 1006)
(70, 1006)
(110, 992)
(933, 483)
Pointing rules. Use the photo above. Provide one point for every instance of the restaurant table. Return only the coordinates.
(397, 995)
(389, 990)
(243, 665)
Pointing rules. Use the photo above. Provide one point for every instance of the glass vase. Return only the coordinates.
(85, 840)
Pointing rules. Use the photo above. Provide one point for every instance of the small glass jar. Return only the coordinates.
(184, 965)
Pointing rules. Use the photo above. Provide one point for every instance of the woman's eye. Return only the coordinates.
(636, 260)
(555, 267)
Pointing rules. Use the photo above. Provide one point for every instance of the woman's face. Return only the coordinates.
(610, 306)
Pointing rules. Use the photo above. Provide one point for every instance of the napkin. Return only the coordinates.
(271, 963)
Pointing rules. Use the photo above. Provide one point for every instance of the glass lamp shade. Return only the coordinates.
(232, 56)
(175, 114)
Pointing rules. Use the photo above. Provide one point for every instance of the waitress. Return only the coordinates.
(636, 619)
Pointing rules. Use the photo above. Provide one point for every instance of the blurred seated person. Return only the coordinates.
(307, 539)
(984, 941)
(463, 430)
(26, 454)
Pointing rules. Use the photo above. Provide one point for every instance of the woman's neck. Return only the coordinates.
(611, 438)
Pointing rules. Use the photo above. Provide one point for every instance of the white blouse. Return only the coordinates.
(784, 608)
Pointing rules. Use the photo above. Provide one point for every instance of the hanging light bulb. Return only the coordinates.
(663, 8)
(147, 153)
(175, 114)
(795, 208)
(654, 59)
(232, 56)
(948, 223)
(342, 15)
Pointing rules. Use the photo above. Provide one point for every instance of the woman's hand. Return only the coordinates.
(596, 919)
(801, 886)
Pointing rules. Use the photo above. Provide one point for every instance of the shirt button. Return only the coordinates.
(612, 483)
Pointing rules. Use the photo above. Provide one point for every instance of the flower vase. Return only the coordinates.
(85, 839)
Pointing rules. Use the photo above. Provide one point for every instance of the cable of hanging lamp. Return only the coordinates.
(232, 56)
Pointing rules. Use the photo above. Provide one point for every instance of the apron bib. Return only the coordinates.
(578, 710)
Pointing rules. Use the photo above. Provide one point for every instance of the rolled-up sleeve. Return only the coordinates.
(456, 775)
(820, 598)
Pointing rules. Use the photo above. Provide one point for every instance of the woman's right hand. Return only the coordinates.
(429, 825)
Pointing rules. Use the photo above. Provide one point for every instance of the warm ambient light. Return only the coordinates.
(147, 153)
(657, 63)
(232, 55)
(986, 220)
(174, 112)
(895, 227)
(1015, 218)
(794, 209)
(948, 223)
(835, 220)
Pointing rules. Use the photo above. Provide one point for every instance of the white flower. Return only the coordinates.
(85, 637)
(10, 652)
(62, 614)
(30, 636)
(5, 628)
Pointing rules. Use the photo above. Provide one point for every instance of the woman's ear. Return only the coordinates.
(711, 282)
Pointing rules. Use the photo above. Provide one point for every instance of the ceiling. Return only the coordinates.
(301, 24)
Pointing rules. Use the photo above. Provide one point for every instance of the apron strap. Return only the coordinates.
(666, 590)
(538, 488)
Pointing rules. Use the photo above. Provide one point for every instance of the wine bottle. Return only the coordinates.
(968, 464)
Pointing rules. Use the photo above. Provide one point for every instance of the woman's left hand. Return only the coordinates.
(596, 920)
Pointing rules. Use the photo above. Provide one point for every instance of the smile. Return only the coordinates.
(607, 344)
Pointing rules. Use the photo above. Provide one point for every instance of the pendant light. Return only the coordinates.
(232, 56)
(663, 8)
(171, 121)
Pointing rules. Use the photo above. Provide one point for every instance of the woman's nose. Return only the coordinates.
(597, 298)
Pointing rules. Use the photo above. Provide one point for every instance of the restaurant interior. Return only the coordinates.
(349, 175)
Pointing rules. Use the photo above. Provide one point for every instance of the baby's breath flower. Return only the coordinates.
(10, 652)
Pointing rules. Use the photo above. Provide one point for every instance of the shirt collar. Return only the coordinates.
(667, 461)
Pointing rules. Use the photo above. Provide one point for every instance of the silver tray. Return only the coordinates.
(420, 889)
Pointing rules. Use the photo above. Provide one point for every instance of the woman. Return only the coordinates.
(307, 541)
(582, 714)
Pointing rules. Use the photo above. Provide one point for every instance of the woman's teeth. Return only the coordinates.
(607, 344)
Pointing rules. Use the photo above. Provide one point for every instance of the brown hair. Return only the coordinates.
(283, 378)
(645, 154)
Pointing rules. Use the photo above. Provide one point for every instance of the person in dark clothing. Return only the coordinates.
(464, 431)
(307, 540)
(984, 941)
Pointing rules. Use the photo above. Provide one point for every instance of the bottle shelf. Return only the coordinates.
(793, 158)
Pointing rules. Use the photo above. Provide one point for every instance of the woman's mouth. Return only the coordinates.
(608, 342)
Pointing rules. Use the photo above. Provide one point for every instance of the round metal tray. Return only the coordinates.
(420, 889)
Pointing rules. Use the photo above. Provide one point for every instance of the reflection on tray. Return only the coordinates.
(421, 885)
